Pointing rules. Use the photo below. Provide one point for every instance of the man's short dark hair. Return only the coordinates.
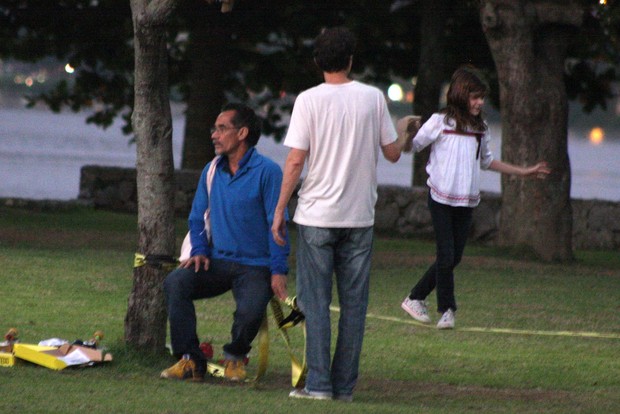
(245, 117)
(333, 49)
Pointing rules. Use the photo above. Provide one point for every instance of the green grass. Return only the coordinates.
(68, 273)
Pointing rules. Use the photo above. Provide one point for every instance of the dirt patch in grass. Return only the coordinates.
(433, 394)
(385, 389)
(408, 259)
(400, 259)
(419, 392)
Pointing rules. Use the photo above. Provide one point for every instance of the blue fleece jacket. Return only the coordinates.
(242, 207)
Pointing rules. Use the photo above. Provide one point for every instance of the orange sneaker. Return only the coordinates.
(184, 369)
(234, 370)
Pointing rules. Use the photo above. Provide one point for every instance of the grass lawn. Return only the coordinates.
(531, 337)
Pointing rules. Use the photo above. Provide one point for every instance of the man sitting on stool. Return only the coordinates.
(241, 255)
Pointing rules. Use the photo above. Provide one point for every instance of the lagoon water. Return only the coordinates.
(41, 154)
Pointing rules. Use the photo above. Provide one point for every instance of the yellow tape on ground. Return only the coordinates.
(496, 330)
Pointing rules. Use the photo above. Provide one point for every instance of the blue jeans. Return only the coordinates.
(251, 288)
(320, 253)
(451, 230)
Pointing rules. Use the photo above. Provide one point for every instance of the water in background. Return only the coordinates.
(41, 154)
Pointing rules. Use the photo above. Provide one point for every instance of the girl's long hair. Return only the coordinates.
(464, 82)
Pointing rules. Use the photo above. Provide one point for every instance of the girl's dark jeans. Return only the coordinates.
(451, 226)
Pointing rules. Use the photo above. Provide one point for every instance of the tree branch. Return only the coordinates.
(152, 13)
(570, 14)
(489, 18)
(547, 12)
(159, 11)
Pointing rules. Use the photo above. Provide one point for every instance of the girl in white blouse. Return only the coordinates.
(459, 139)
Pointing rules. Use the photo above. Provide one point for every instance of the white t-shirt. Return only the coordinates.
(342, 126)
(455, 161)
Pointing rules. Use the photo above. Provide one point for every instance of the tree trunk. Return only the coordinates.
(145, 322)
(206, 96)
(529, 42)
(430, 75)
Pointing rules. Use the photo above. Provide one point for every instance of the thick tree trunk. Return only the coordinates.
(206, 96)
(145, 322)
(430, 75)
(529, 41)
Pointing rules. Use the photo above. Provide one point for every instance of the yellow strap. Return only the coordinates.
(215, 370)
(140, 260)
(298, 370)
(263, 348)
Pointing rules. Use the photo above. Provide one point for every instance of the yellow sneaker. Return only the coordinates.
(234, 370)
(184, 369)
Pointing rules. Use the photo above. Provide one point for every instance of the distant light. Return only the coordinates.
(597, 135)
(29, 81)
(602, 2)
(69, 68)
(395, 92)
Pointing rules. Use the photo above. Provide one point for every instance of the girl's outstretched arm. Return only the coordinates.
(540, 170)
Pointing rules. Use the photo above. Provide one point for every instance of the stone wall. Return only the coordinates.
(403, 211)
(114, 188)
(400, 211)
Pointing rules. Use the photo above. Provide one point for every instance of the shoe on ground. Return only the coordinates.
(234, 370)
(185, 369)
(311, 395)
(416, 309)
(447, 320)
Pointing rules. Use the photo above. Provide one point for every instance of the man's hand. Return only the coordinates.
(278, 285)
(407, 128)
(197, 262)
(278, 228)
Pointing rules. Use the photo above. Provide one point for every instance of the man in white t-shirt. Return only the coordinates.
(339, 128)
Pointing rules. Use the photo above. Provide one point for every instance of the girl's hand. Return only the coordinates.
(540, 170)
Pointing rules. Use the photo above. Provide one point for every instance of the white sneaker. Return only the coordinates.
(417, 309)
(311, 395)
(447, 320)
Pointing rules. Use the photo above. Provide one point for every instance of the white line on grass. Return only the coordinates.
(495, 330)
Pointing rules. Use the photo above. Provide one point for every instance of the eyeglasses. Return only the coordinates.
(221, 129)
